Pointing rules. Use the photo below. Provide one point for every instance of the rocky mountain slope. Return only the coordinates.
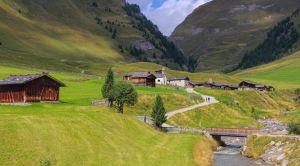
(216, 36)
(80, 35)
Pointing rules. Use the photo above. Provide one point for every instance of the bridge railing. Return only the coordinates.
(184, 130)
(232, 131)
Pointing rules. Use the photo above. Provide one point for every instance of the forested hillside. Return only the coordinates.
(80, 35)
(281, 40)
(216, 36)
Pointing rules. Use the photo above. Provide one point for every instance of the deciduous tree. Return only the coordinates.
(124, 93)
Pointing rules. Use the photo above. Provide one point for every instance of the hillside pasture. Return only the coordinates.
(75, 132)
(237, 109)
(282, 74)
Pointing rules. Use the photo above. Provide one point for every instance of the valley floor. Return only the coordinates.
(74, 132)
(77, 133)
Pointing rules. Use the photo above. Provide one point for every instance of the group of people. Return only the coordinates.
(207, 99)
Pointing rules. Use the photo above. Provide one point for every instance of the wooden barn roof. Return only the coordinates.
(139, 74)
(23, 79)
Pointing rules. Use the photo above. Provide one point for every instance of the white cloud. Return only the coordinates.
(170, 14)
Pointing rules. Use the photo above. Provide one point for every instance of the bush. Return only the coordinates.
(255, 113)
(297, 91)
(294, 128)
(47, 163)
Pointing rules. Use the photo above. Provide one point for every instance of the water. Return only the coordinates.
(231, 158)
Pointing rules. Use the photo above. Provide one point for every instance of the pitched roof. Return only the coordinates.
(221, 85)
(158, 75)
(139, 74)
(23, 79)
(179, 78)
(254, 84)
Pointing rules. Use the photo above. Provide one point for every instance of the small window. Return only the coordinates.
(158, 80)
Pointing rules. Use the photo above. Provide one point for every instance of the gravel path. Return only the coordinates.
(207, 102)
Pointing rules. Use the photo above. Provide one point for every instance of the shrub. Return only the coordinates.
(47, 163)
(297, 91)
(294, 128)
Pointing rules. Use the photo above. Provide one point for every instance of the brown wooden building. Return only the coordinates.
(246, 85)
(29, 88)
(141, 78)
(220, 86)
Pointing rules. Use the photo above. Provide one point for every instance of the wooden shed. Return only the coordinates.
(220, 86)
(246, 85)
(29, 88)
(141, 78)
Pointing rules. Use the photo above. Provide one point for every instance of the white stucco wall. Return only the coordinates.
(180, 83)
(161, 81)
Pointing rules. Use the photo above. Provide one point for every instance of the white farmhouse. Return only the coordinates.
(179, 82)
(161, 77)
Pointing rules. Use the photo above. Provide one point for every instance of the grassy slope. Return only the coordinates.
(225, 32)
(236, 106)
(38, 38)
(235, 109)
(217, 115)
(282, 74)
(63, 35)
(73, 132)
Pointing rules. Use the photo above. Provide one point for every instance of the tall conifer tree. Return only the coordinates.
(158, 112)
(107, 88)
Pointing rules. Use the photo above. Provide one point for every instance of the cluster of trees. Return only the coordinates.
(121, 93)
(135, 51)
(152, 33)
(278, 42)
(109, 26)
(107, 9)
(95, 4)
(111, 30)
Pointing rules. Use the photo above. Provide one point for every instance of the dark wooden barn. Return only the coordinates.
(141, 78)
(220, 86)
(29, 88)
(246, 85)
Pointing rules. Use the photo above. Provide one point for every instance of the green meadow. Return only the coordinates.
(282, 74)
(74, 132)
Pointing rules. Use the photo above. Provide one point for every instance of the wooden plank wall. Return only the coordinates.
(12, 94)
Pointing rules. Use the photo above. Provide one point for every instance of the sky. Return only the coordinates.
(167, 14)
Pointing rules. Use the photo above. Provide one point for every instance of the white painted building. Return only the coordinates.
(161, 78)
(179, 82)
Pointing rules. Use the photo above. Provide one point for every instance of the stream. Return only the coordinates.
(231, 156)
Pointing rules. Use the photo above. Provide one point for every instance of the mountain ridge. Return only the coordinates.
(216, 36)
(78, 35)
